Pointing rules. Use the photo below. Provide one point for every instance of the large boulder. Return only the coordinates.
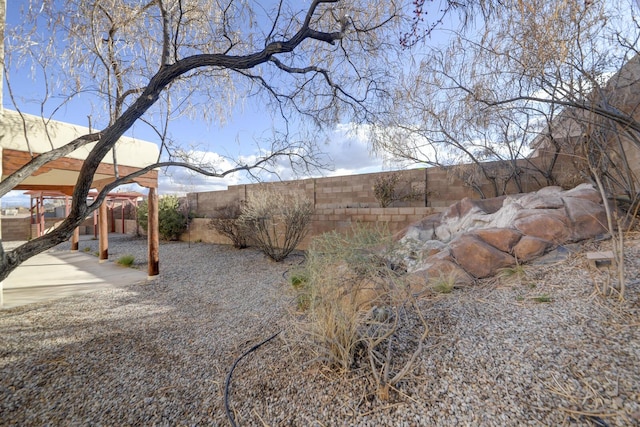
(482, 236)
(423, 230)
(584, 191)
(503, 239)
(545, 198)
(530, 247)
(588, 219)
(438, 269)
(547, 224)
(467, 214)
(477, 257)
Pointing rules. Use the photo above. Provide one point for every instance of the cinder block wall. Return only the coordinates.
(15, 229)
(324, 220)
(434, 187)
(341, 201)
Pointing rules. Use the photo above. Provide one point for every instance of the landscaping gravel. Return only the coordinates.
(545, 349)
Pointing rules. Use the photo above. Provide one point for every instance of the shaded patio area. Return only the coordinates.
(55, 274)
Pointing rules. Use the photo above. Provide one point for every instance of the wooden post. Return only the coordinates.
(104, 232)
(112, 210)
(75, 239)
(95, 224)
(153, 234)
(40, 204)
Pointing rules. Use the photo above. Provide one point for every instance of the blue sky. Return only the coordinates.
(248, 123)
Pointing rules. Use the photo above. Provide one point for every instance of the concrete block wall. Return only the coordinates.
(15, 229)
(434, 187)
(357, 191)
(343, 219)
(129, 226)
(327, 219)
(342, 201)
(207, 203)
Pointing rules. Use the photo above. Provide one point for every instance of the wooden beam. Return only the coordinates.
(148, 180)
(153, 233)
(12, 160)
(66, 189)
(99, 184)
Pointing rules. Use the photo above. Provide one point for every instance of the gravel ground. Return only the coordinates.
(158, 353)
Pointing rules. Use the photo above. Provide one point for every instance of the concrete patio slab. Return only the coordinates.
(52, 275)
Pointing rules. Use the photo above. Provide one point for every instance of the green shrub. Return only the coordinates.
(126, 260)
(298, 280)
(172, 221)
(444, 284)
(515, 273)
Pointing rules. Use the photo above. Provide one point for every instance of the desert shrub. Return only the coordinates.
(227, 222)
(358, 305)
(126, 260)
(172, 220)
(444, 284)
(276, 222)
(387, 190)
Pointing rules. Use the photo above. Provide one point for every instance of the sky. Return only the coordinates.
(346, 152)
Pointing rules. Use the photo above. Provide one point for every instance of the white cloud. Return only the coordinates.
(15, 198)
(346, 150)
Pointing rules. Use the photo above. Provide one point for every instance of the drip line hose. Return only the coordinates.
(228, 380)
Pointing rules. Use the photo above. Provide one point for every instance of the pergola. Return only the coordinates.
(23, 136)
(40, 197)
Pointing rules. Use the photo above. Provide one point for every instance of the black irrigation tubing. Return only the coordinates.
(228, 381)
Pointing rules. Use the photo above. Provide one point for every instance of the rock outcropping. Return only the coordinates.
(473, 239)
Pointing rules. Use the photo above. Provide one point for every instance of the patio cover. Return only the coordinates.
(23, 135)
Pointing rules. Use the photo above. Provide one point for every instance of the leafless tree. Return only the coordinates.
(148, 61)
(528, 75)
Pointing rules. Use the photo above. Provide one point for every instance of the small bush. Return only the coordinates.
(228, 223)
(171, 218)
(386, 191)
(298, 280)
(444, 284)
(126, 260)
(516, 272)
(276, 222)
(358, 306)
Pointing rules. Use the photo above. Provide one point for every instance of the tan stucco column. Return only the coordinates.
(153, 234)
(103, 234)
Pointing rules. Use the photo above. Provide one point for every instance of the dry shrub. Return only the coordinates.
(276, 222)
(387, 190)
(227, 222)
(358, 306)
